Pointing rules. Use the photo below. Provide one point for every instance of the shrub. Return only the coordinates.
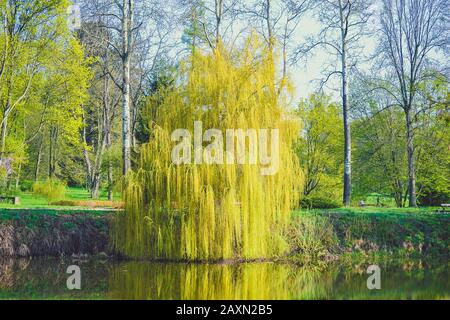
(312, 236)
(51, 189)
(26, 185)
(319, 203)
(3, 179)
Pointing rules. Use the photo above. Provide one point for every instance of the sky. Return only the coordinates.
(307, 75)
(304, 73)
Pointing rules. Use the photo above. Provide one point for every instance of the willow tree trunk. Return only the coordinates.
(411, 163)
(127, 23)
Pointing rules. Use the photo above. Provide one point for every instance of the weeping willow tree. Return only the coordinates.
(213, 211)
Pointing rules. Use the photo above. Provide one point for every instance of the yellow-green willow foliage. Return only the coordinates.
(220, 211)
(234, 281)
(166, 281)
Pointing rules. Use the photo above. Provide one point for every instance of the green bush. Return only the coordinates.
(26, 185)
(312, 237)
(3, 180)
(319, 203)
(51, 189)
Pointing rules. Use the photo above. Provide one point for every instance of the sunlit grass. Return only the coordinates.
(28, 200)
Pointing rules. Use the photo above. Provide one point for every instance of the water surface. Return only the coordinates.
(45, 278)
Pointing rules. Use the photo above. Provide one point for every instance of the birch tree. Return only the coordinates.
(344, 23)
(100, 112)
(134, 25)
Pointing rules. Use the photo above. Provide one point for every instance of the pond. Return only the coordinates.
(45, 278)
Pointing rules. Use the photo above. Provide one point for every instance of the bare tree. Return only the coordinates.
(276, 21)
(132, 24)
(412, 32)
(215, 21)
(100, 112)
(344, 24)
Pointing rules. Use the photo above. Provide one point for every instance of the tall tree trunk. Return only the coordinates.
(269, 27)
(110, 182)
(284, 57)
(218, 11)
(52, 149)
(3, 135)
(38, 162)
(345, 109)
(347, 144)
(87, 160)
(95, 185)
(18, 176)
(50, 156)
(96, 170)
(411, 163)
(110, 169)
(127, 23)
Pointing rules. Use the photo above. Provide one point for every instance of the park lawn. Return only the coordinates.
(28, 200)
(381, 211)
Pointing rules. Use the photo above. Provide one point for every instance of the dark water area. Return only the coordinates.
(45, 278)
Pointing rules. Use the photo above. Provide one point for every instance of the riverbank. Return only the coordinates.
(314, 235)
(368, 233)
(54, 232)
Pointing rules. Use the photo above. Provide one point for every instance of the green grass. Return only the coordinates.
(385, 210)
(414, 231)
(384, 199)
(28, 200)
(375, 210)
(83, 194)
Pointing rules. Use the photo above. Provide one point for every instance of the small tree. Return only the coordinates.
(319, 147)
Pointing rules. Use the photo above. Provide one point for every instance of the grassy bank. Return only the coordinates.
(326, 234)
(314, 235)
(53, 232)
